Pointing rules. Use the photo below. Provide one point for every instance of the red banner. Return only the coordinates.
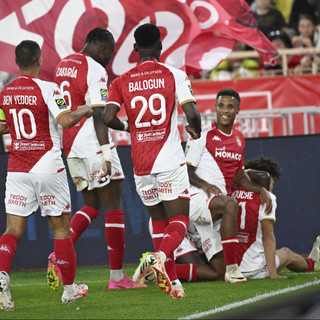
(206, 27)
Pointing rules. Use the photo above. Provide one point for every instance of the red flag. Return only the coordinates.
(223, 23)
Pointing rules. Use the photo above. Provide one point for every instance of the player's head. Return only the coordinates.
(227, 108)
(267, 165)
(148, 44)
(100, 45)
(28, 55)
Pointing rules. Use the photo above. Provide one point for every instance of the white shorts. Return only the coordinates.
(26, 192)
(185, 247)
(85, 172)
(164, 186)
(260, 273)
(208, 230)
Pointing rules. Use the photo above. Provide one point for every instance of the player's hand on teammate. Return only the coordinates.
(210, 189)
(193, 133)
(87, 109)
(265, 199)
(105, 171)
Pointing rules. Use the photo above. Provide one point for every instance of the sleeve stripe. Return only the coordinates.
(63, 112)
(184, 102)
(113, 102)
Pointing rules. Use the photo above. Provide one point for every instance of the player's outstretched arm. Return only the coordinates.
(69, 119)
(193, 118)
(111, 120)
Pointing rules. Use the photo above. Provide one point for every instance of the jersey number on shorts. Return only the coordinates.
(149, 105)
(19, 124)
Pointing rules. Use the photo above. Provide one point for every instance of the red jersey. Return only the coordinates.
(31, 107)
(217, 156)
(250, 254)
(82, 81)
(150, 94)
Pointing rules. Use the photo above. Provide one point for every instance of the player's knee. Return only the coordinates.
(231, 206)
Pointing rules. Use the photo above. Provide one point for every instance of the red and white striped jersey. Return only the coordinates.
(216, 156)
(31, 107)
(150, 93)
(82, 81)
(251, 251)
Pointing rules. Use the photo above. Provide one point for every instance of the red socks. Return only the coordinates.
(115, 236)
(158, 228)
(310, 264)
(8, 245)
(230, 246)
(174, 233)
(187, 272)
(81, 220)
(66, 259)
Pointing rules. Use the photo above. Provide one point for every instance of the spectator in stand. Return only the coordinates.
(268, 18)
(257, 254)
(284, 6)
(309, 37)
(299, 7)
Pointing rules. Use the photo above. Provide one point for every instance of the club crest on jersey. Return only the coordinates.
(238, 141)
(61, 104)
(104, 94)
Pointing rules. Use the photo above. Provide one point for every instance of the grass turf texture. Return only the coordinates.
(35, 300)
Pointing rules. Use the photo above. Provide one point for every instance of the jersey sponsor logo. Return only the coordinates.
(243, 237)
(165, 187)
(48, 200)
(222, 153)
(21, 145)
(216, 138)
(206, 245)
(103, 80)
(61, 262)
(56, 93)
(146, 84)
(104, 94)
(61, 104)
(67, 72)
(150, 194)
(152, 135)
(18, 200)
(238, 141)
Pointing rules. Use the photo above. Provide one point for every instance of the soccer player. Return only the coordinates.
(257, 254)
(215, 162)
(90, 150)
(31, 110)
(150, 93)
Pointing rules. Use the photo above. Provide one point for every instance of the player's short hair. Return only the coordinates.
(265, 164)
(147, 35)
(27, 53)
(229, 92)
(99, 35)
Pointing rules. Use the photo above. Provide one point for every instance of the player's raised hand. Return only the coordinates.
(193, 133)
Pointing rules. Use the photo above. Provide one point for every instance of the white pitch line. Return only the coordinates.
(250, 300)
(45, 284)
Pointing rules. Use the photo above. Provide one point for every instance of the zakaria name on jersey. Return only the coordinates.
(67, 72)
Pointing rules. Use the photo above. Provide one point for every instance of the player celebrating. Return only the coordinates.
(150, 93)
(32, 109)
(89, 149)
(214, 162)
(257, 254)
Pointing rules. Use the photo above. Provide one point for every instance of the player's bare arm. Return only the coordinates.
(111, 120)
(3, 129)
(102, 133)
(196, 181)
(269, 244)
(69, 119)
(193, 118)
(243, 180)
